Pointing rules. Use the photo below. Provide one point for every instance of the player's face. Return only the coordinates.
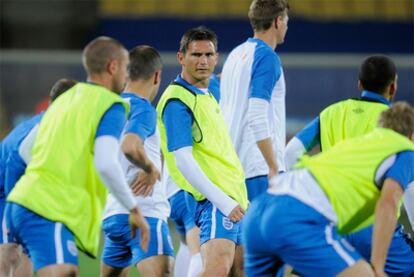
(282, 23)
(121, 75)
(198, 62)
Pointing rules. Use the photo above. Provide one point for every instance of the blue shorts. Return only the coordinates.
(46, 242)
(121, 251)
(182, 217)
(256, 186)
(214, 225)
(281, 229)
(400, 258)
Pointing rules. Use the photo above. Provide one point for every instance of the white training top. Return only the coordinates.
(253, 71)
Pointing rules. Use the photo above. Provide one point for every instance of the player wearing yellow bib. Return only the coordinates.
(353, 118)
(57, 204)
(199, 154)
(301, 218)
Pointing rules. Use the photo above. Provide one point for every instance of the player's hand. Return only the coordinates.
(236, 214)
(137, 221)
(145, 181)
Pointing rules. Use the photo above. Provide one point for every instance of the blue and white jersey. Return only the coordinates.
(301, 185)
(142, 121)
(254, 70)
(12, 163)
(179, 131)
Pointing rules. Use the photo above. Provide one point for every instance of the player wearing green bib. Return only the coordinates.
(199, 154)
(302, 217)
(57, 205)
(352, 118)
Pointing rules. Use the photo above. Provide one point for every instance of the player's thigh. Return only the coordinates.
(58, 270)
(193, 240)
(360, 268)
(218, 256)
(156, 266)
(160, 245)
(109, 271)
(238, 263)
(25, 267)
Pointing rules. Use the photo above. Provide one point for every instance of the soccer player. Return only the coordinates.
(182, 214)
(253, 98)
(352, 118)
(141, 156)
(14, 161)
(199, 154)
(56, 206)
(300, 218)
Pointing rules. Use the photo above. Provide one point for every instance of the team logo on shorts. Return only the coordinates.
(227, 224)
(73, 250)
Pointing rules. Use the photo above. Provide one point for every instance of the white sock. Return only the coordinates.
(196, 265)
(182, 260)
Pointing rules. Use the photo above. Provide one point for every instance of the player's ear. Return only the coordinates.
(157, 77)
(112, 67)
(393, 87)
(180, 57)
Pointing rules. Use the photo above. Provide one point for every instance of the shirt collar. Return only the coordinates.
(375, 96)
(187, 85)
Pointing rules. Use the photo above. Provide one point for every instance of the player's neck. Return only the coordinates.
(141, 89)
(195, 82)
(101, 80)
(268, 37)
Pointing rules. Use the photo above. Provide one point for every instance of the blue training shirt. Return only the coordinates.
(310, 135)
(142, 119)
(179, 131)
(402, 170)
(13, 165)
(112, 122)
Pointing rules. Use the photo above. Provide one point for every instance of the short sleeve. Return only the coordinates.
(266, 71)
(112, 122)
(178, 119)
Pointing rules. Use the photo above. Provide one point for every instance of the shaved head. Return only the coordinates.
(99, 52)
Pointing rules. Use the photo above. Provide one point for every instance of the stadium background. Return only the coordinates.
(41, 41)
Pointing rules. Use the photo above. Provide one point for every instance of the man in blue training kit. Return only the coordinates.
(141, 155)
(301, 219)
(199, 153)
(352, 118)
(74, 161)
(13, 159)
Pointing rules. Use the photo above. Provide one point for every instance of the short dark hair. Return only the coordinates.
(377, 73)
(263, 12)
(60, 87)
(144, 61)
(400, 118)
(198, 33)
(99, 52)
